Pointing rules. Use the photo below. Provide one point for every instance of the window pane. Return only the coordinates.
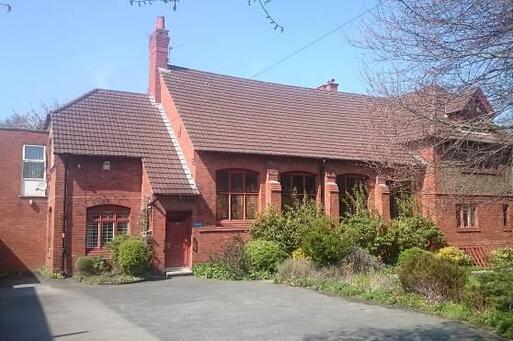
(251, 183)
(351, 185)
(123, 214)
(285, 183)
(122, 228)
(466, 218)
(297, 184)
(285, 201)
(107, 232)
(34, 153)
(310, 184)
(93, 214)
(237, 179)
(222, 206)
(222, 182)
(237, 206)
(472, 211)
(251, 206)
(108, 214)
(33, 170)
(92, 235)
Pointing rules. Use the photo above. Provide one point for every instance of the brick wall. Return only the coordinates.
(490, 231)
(211, 237)
(88, 186)
(23, 236)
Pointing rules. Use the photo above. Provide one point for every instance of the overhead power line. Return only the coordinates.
(315, 41)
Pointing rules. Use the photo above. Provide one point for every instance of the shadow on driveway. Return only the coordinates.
(21, 314)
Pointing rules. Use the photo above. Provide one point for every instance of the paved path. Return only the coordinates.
(185, 308)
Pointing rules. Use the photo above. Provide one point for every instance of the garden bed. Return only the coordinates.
(108, 279)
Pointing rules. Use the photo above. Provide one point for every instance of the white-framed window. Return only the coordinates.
(466, 216)
(33, 174)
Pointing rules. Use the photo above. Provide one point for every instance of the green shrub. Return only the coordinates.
(434, 278)
(455, 255)
(496, 287)
(46, 273)
(134, 256)
(263, 255)
(91, 265)
(361, 261)
(214, 270)
(500, 321)
(363, 230)
(406, 232)
(407, 254)
(287, 228)
(326, 244)
(501, 257)
(113, 246)
(299, 254)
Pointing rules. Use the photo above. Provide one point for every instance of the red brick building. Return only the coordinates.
(193, 161)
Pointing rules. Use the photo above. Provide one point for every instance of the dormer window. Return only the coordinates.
(33, 178)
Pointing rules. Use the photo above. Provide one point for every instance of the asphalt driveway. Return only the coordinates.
(186, 308)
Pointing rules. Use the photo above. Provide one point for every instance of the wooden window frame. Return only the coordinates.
(304, 175)
(115, 219)
(244, 193)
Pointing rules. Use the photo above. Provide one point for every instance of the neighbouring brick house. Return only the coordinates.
(196, 158)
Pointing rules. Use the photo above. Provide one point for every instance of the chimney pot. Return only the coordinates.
(160, 23)
(330, 86)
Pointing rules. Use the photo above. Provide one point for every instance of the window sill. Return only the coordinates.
(32, 196)
(483, 171)
(467, 229)
(507, 230)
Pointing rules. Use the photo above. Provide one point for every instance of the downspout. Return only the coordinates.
(322, 169)
(64, 214)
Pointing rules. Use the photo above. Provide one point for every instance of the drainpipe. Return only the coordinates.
(64, 214)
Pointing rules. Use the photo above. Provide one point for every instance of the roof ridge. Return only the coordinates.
(171, 67)
(91, 92)
(70, 103)
(40, 131)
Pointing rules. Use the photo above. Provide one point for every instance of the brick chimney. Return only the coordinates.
(330, 86)
(159, 53)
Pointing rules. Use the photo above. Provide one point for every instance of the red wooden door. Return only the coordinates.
(178, 239)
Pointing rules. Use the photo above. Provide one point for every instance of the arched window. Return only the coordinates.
(105, 222)
(348, 186)
(236, 194)
(295, 187)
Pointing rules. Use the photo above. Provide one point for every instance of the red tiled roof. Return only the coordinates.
(117, 123)
(230, 114)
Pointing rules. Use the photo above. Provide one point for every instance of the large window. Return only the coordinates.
(401, 194)
(348, 186)
(237, 195)
(296, 187)
(33, 178)
(105, 222)
(466, 216)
